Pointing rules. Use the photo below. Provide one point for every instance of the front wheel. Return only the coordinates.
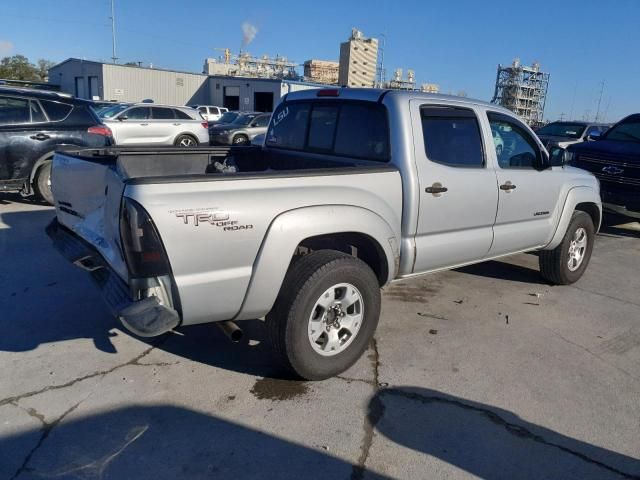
(566, 263)
(240, 140)
(325, 315)
(42, 183)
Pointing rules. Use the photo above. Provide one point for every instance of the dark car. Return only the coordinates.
(33, 125)
(227, 117)
(615, 160)
(241, 131)
(563, 134)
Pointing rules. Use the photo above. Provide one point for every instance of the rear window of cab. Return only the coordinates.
(342, 128)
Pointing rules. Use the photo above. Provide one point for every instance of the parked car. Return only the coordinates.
(563, 134)
(353, 189)
(615, 160)
(241, 131)
(258, 140)
(210, 113)
(152, 124)
(227, 117)
(35, 123)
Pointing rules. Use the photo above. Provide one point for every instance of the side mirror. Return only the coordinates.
(122, 117)
(558, 156)
(594, 136)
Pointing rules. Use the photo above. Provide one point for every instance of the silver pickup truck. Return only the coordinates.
(353, 189)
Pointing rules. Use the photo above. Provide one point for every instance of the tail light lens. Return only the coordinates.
(141, 244)
(100, 130)
(205, 125)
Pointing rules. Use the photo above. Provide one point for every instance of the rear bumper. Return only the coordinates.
(13, 184)
(145, 317)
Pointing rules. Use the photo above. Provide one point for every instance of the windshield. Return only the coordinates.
(110, 112)
(628, 130)
(228, 117)
(562, 129)
(243, 119)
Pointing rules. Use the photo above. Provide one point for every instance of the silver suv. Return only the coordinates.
(151, 124)
(241, 131)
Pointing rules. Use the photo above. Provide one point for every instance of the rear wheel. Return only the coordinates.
(566, 263)
(42, 183)
(186, 141)
(240, 140)
(325, 315)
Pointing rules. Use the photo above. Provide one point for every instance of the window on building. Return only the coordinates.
(452, 137)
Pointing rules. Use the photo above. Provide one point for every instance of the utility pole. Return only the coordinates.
(381, 72)
(113, 32)
(573, 100)
(562, 116)
(599, 100)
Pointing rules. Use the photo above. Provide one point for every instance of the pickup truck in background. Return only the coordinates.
(353, 189)
(614, 158)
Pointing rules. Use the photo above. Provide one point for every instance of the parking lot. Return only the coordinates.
(484, 372)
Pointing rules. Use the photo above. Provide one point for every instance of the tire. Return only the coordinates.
(240, 140)
(42, 183)
(186, 141)
(560, 266)
(291, 323)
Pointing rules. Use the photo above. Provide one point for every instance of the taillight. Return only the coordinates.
(142, 248)
(205, 125)
(328, 92)
(100, 130)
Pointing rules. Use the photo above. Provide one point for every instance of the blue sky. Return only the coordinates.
(455, 43)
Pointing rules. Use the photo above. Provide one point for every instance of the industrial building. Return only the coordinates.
(400, 83)
(246, 65)
(125, 83)
(523, 90)
(321, 71)
(358, 61)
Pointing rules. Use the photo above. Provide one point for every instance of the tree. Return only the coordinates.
(17, 67)
(43, 69)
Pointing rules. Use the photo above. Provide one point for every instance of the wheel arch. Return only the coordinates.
(38, 163)
(187, 134)
(581, 198)
(353, 230)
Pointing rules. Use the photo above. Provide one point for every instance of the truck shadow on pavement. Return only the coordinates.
(486, 441)
(162, 442)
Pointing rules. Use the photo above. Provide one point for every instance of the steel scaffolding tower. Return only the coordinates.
(523, 90)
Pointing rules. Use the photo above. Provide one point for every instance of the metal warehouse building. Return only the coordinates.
(126, 83)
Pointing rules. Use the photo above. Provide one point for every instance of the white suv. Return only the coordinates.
(151, 124)
(210, 112)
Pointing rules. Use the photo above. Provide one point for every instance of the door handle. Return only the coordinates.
(40, 136)
(507, 186)
(436, 189)
(144, 124)
(177, 124)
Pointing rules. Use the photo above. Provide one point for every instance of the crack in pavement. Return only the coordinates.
(376, 410)
(611, 297)
(99, 373)
(46, 431)
(511, 428)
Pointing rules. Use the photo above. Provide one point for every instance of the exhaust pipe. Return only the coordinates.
(231, 330)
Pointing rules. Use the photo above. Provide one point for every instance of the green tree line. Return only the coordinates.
(18, 67)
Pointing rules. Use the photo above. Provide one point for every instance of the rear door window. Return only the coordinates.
(181, 115)
(138, 113)
(14, 110)
(261, 121)
(162, 113)
(452, 137)
(56, 111)
(37, 115)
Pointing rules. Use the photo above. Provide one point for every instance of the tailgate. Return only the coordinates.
(88, 192)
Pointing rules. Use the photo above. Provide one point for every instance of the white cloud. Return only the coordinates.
(6, 47)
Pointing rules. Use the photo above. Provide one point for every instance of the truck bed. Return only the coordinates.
(213, 225)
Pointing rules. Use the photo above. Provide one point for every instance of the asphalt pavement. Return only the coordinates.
(483, 372)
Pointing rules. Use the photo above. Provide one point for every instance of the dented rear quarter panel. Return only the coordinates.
(213, 261)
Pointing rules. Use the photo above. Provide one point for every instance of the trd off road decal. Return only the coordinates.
(209, 216)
